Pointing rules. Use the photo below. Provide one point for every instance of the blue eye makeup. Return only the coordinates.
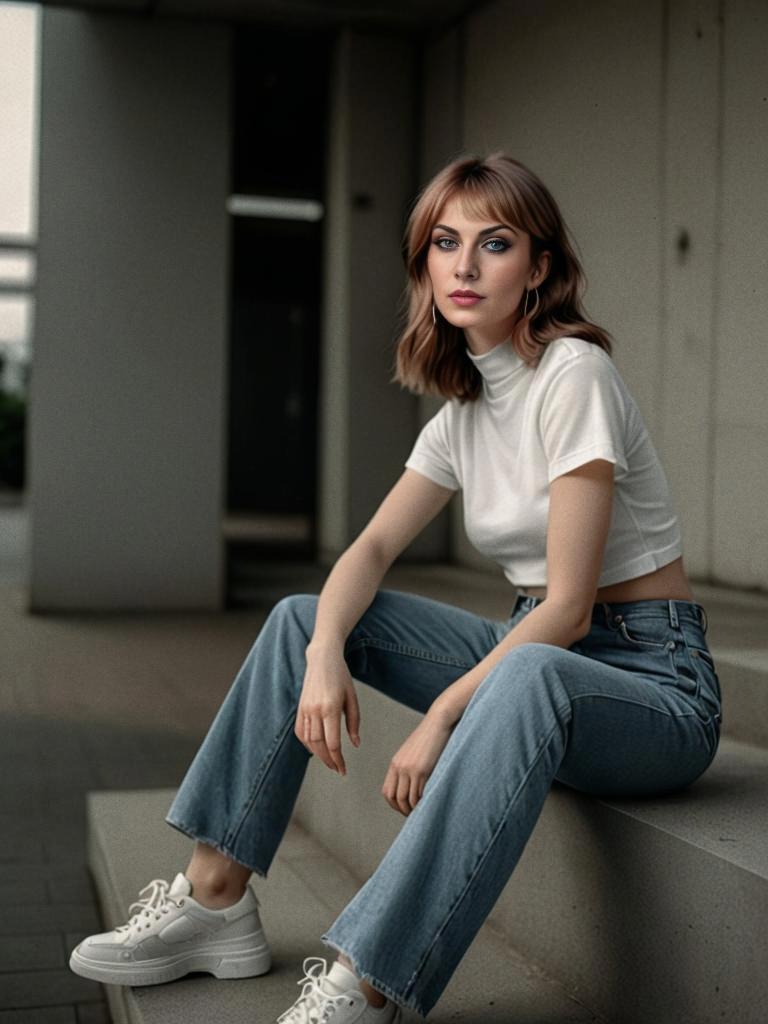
(491, 242)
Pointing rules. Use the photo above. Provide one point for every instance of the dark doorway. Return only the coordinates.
(279, 135)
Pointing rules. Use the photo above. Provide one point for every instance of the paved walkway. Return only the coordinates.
(87, 702)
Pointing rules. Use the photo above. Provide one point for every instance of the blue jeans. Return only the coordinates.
(633, 708)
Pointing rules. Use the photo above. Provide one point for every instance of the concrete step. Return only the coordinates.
(130, 844)
(738, 639)
(651, 911)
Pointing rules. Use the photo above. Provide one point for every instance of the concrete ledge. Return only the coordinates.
(130, 844)
(637, 905)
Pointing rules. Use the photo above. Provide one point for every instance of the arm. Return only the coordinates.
(580, 507)
(352, 583)
(351, 586)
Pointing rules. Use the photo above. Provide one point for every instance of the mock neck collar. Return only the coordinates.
(498, 367)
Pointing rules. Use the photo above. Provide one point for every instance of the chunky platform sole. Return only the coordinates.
(231, 963)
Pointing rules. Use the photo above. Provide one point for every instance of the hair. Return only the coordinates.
(430, 357)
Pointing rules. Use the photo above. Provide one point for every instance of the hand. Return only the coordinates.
(414, 762)
(328, 690)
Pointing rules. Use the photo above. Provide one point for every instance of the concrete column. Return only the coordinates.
(368, 424)
(740, 539)
(685, 436)
(127, 442)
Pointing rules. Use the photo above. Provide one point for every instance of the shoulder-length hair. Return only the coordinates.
(430, 357)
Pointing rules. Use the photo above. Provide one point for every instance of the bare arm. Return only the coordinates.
(350, 588)
(580, 509)
(579, 516)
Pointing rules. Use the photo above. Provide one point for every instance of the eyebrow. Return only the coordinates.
(485, 231)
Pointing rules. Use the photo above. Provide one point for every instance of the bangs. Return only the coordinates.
(483, 197)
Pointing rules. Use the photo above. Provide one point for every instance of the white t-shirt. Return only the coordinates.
(529, 426)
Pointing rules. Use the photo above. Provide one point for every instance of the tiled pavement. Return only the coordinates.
(87, 702)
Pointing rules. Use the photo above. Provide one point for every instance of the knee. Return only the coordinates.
(532, 671)
(296, 610)
(533, 657)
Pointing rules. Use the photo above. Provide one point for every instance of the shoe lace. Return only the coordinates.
(156, 903)
(314, 1006)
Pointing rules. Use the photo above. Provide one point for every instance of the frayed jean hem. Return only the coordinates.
(380, 986)
(193, 834)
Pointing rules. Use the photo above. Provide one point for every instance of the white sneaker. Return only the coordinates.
(335, 996)
(170, 934)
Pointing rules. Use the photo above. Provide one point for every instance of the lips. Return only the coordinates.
(460, 299)
(465, 294)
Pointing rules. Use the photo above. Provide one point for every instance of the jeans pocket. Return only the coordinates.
(645, 634)
(703, 664)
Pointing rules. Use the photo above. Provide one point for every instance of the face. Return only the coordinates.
(490, 259)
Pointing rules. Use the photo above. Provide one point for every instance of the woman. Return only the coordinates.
(600, 678)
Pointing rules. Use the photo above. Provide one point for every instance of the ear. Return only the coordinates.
(543, 265)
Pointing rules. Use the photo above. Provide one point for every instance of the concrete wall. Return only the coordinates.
(367, 423)
(739, 409)
(648, 122)
(126, 443)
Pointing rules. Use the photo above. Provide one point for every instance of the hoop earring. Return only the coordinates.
(434, 318)
(535, 308)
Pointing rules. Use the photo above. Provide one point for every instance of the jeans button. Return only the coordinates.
(618, 618)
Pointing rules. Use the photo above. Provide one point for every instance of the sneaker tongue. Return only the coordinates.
(340, 979)
(181, 886)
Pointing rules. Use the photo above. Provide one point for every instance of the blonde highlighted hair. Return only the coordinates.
(430, 357)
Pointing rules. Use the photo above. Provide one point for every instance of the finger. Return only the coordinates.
(317, 741)
(413, 792)
(403, 786)
(352, 715)
(299, 728)
(321, 751)
(388, 789)
(333, 740)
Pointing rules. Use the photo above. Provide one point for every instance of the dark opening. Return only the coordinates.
(280, 116)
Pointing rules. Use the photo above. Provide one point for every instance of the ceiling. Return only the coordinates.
(418, 15)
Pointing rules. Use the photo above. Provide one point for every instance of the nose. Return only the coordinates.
(465, 266)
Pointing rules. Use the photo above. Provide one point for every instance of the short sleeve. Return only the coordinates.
(431, 454)
(584, 416)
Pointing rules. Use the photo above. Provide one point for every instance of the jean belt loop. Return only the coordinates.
(703, 617)
(673, 619)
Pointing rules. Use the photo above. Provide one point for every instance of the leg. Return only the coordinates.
(542, 713)
(238, 795)
(240, 790)
(217, 880)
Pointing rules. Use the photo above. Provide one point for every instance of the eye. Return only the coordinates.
(500, 242)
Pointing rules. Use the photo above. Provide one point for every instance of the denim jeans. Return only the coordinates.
(633, 708)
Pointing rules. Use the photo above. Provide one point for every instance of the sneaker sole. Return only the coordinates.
(241, 963)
